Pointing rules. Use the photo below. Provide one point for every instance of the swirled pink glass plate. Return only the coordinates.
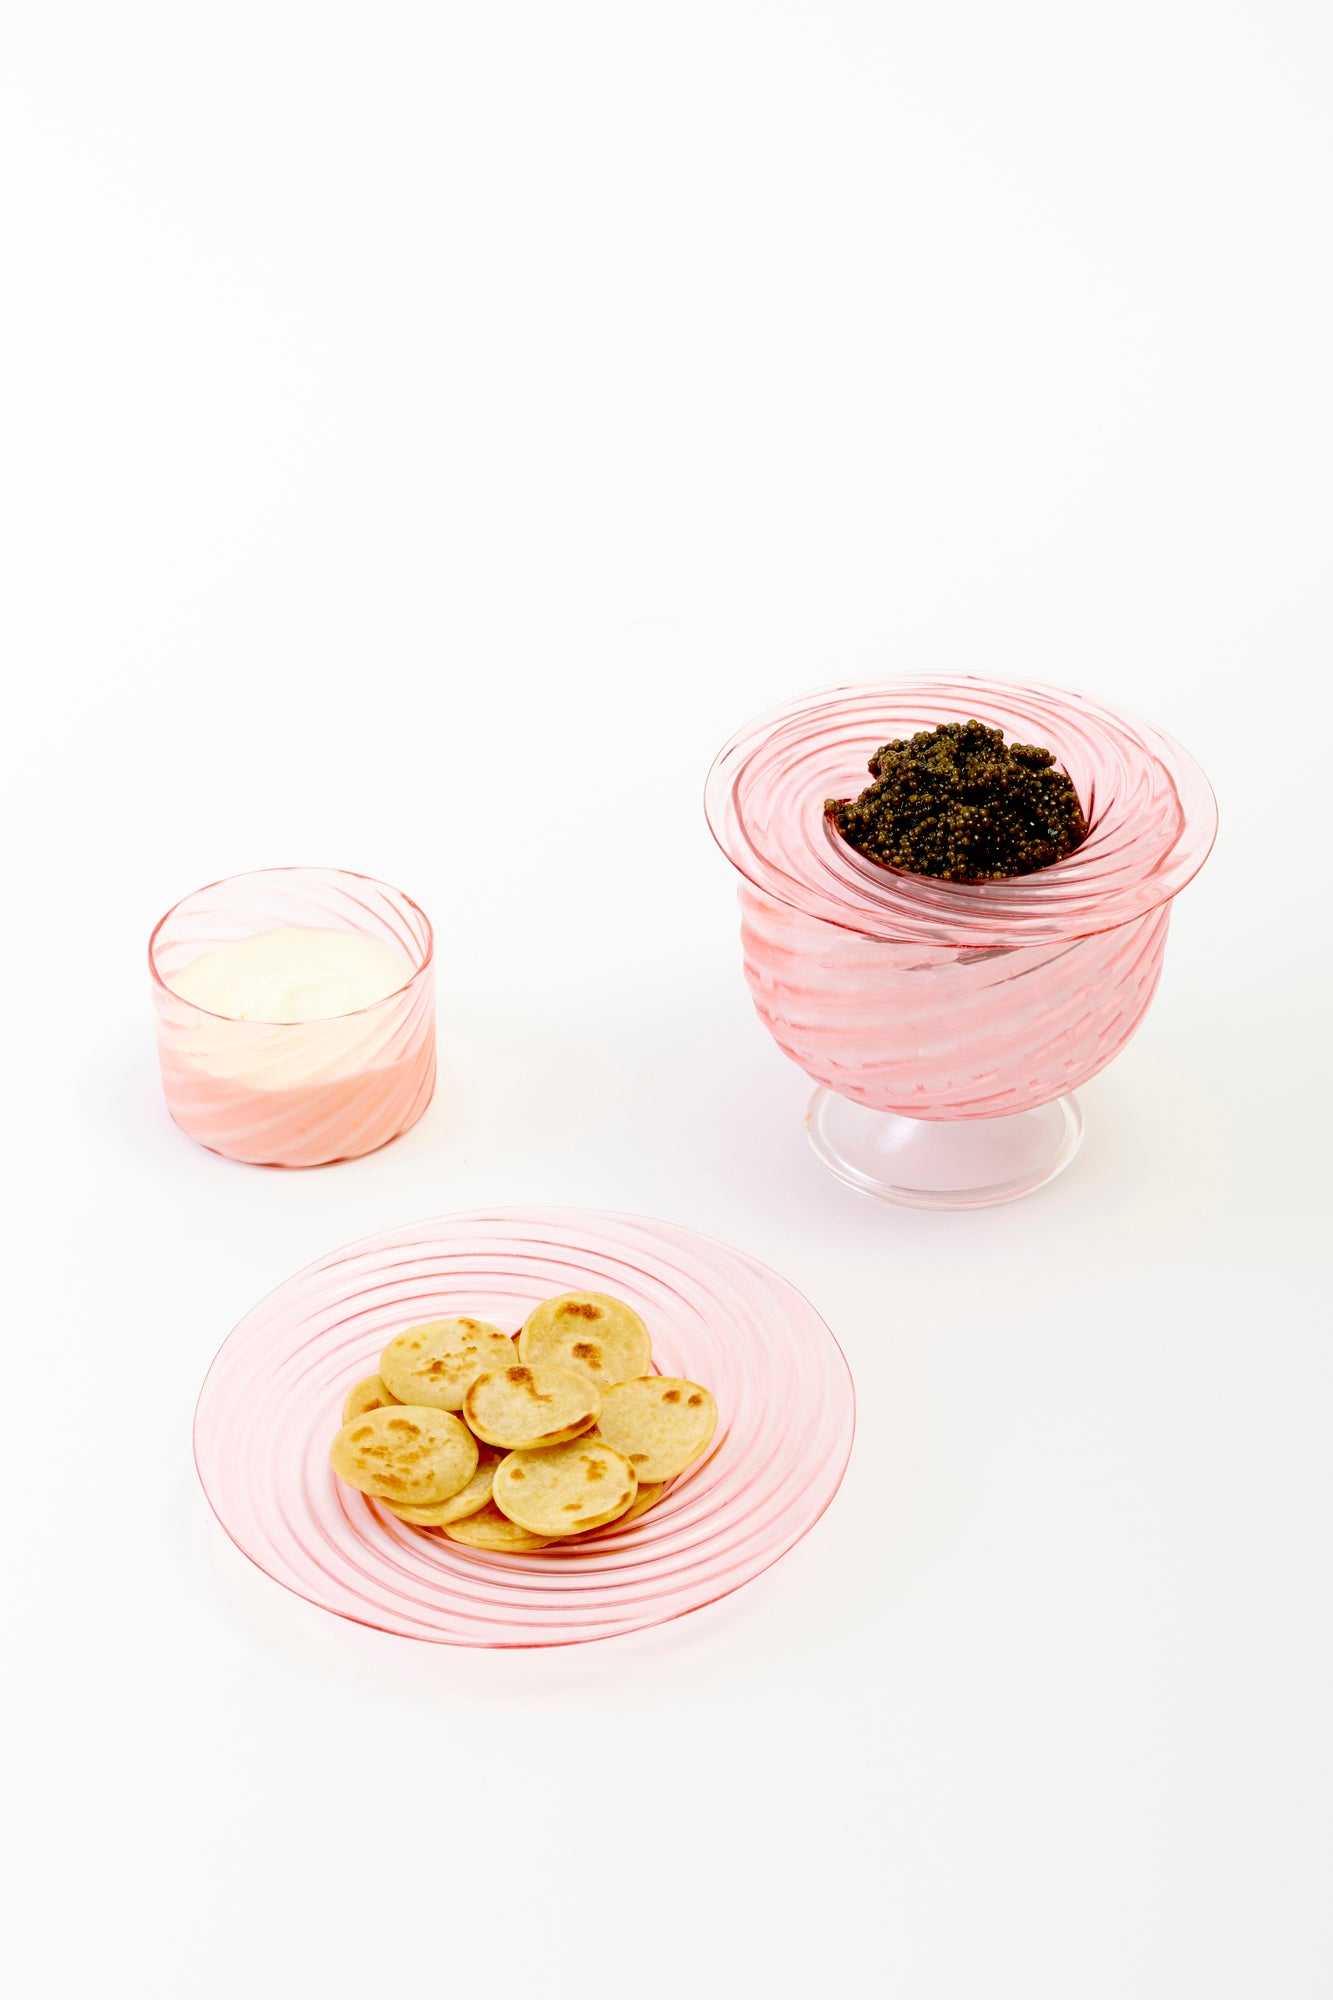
(272, 1401)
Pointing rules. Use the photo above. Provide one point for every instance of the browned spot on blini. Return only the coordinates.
(671, 1396)
(695, 1402)
(583, 1350)
(594, 1469)
(638, 1458)
(517, 1472)
(580, 1309)
(522, 1379)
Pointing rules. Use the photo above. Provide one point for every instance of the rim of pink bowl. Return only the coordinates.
(289, 868)
(1152, 813)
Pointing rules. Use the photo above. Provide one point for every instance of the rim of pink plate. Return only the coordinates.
(290, 868)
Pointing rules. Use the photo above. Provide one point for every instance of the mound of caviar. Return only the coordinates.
(959, 803)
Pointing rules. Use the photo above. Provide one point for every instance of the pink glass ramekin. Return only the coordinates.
(948, 1023)
(298, 1094)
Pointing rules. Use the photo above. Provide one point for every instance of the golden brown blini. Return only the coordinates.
(414, 1456)
(567, 1491)
(435, 1363)
(368, 1394)
(590, 1331)
(471, 1499)
(490, 1529)
(528, 1409)
(661, 1423)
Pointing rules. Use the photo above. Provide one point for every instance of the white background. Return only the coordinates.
(429, 430)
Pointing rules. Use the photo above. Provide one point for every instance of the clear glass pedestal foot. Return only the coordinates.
(954, 1163)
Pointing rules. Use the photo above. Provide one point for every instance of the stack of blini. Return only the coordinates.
(510, 1452)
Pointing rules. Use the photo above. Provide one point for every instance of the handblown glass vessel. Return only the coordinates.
(272, 1403)
(302, 1093)
(947, 1024)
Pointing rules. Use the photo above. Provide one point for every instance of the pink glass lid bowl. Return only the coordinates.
(1151, 814)
(272, 1400)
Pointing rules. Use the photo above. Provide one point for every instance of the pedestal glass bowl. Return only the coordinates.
(947, 1024)
(304, 1093)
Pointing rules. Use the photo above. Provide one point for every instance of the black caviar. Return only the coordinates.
(959, 803)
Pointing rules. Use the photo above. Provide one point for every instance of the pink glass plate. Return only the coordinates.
(272, 1400)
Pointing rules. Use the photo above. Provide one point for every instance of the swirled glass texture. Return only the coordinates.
(946, 1000)
(305, 1093)
(272, 1402)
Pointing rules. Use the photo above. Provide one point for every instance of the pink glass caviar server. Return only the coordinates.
(948, 1024)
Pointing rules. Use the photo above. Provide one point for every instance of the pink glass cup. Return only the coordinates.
(295, 1094)
(947, 1024)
